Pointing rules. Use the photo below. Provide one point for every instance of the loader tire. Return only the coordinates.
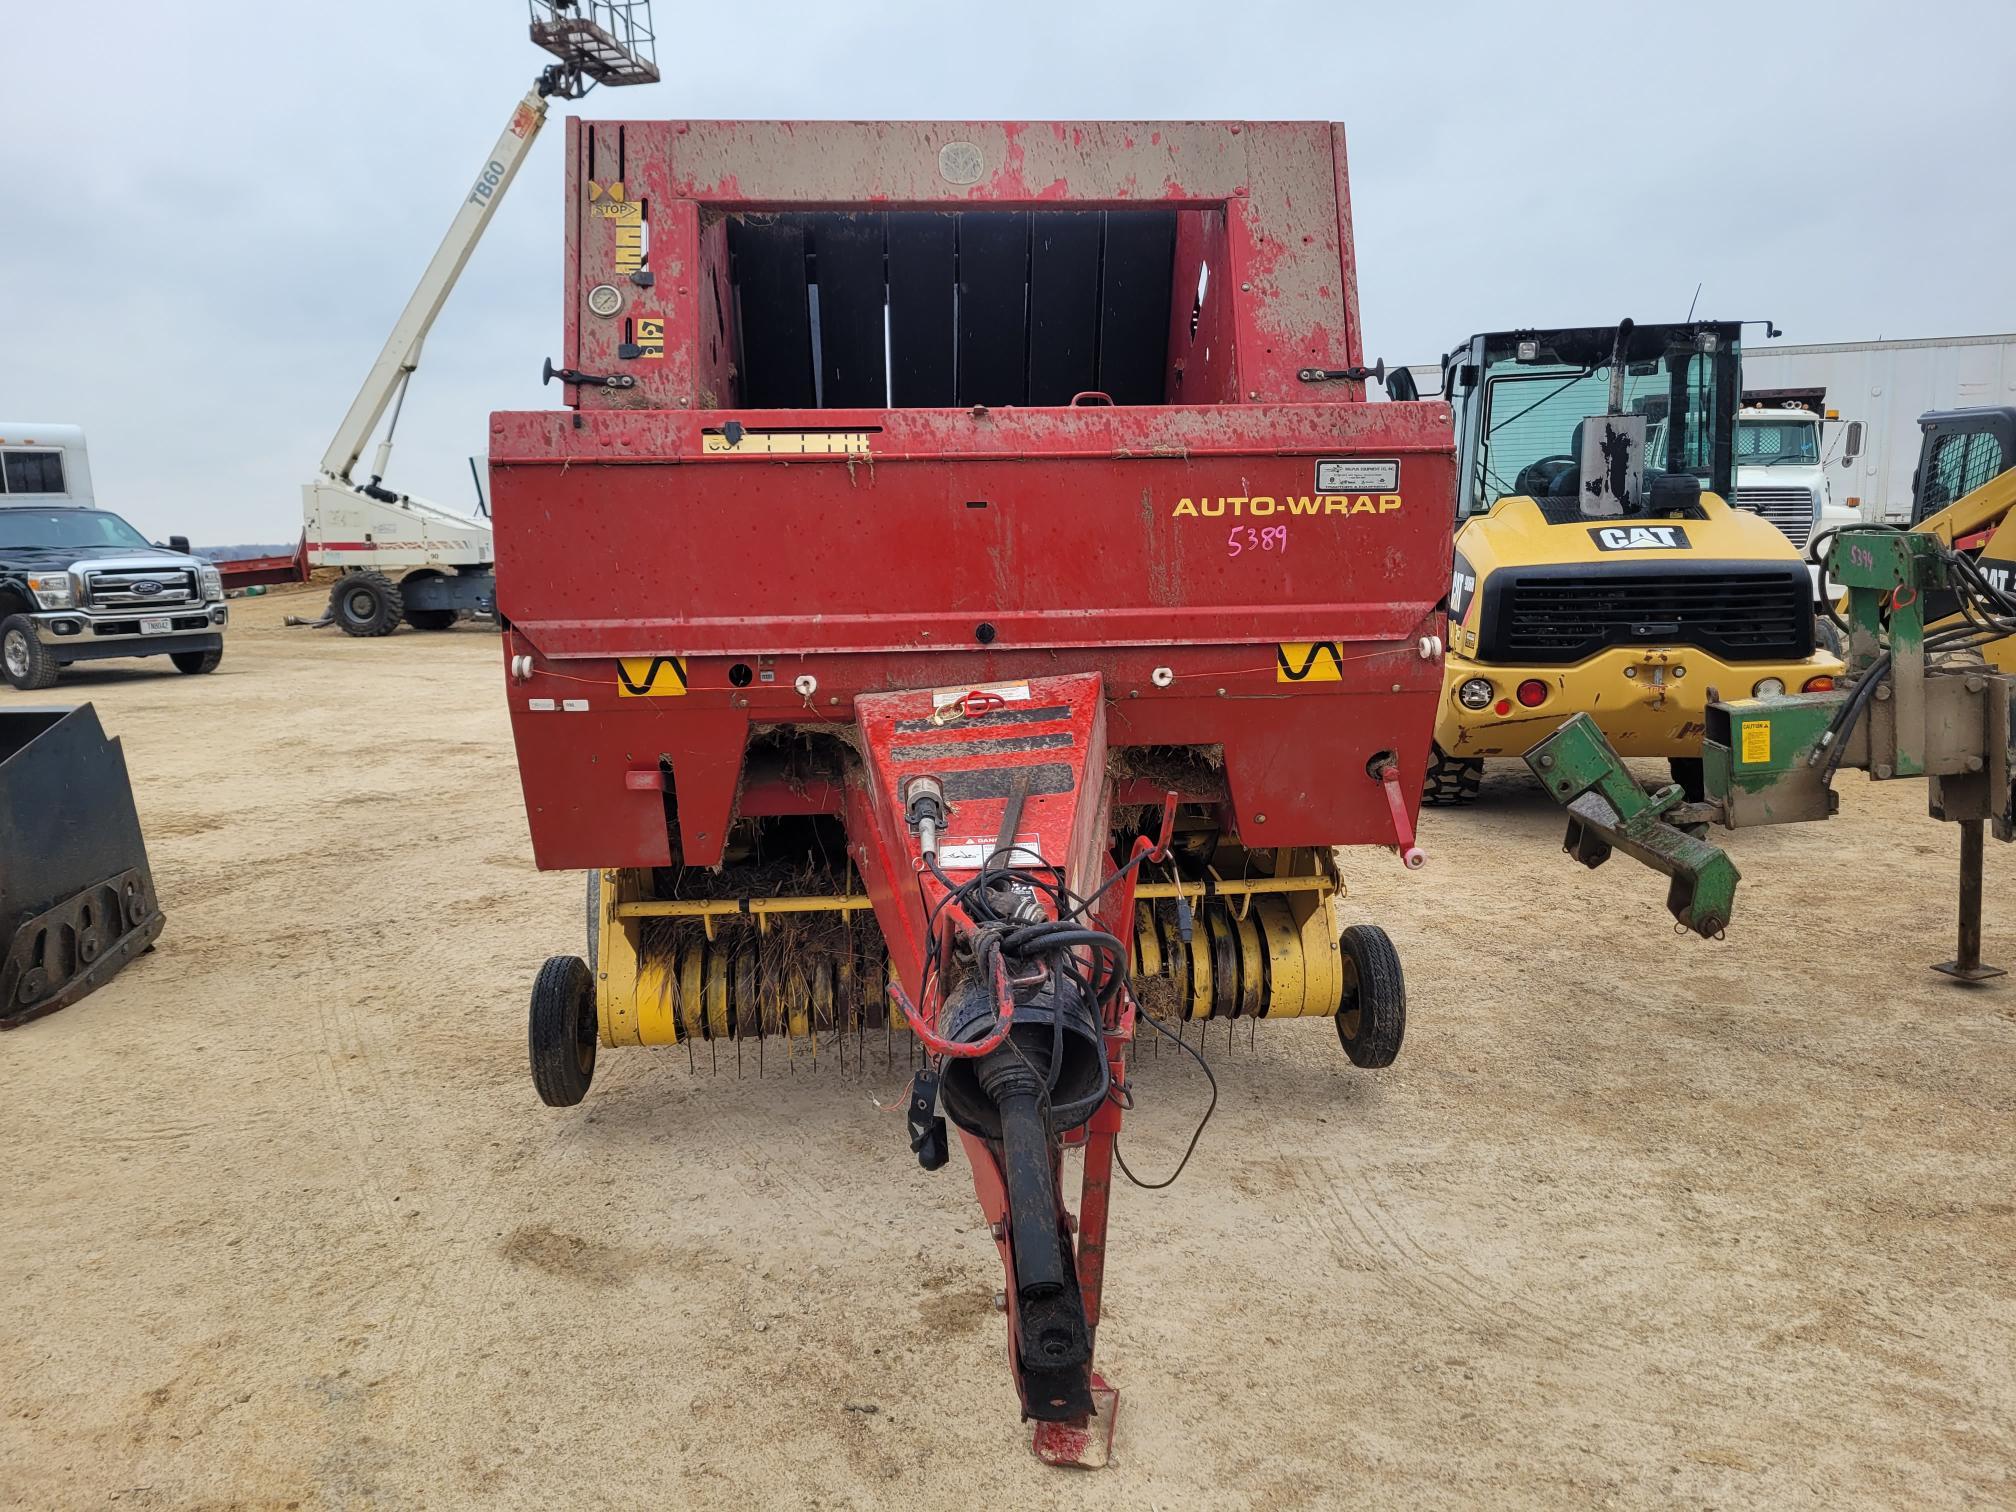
(1372, 1018)
(1686, 771)
(563, 1033)
(196, 663)
(1827, 637)
(25, 660)
(1450, 779)
(366, 604)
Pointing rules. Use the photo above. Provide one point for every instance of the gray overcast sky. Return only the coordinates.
(207, 234)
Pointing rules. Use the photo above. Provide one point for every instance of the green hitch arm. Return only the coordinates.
(1607, 810)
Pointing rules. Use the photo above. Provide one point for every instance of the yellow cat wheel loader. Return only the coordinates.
(1599, 568)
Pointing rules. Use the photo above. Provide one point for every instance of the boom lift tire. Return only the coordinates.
(366, 604)
(1372, 1019)
(23, 657)
(563, 1031)
(196, 663)
(1452, 780)
(431, 619)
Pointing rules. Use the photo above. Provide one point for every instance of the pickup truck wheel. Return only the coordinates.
(23, 657)
(1451, 779)
(366, 604)
(1372, 1018)
(195, 663)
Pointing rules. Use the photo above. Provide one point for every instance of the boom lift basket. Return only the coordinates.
(76, 897)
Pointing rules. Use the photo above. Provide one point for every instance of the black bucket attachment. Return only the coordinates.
(76, 898)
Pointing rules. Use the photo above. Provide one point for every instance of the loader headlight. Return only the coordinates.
(1476, 693)
(1768, 687)
(52, 590)
(213, 584)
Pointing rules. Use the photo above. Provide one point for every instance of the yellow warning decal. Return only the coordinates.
(1309, 661)
(1756, 742)
(651, 677)
(755, 443)
(650, 332)
(629, 246)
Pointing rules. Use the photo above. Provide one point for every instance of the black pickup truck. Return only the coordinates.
(83, 585)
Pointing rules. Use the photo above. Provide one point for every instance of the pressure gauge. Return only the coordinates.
(605, 299)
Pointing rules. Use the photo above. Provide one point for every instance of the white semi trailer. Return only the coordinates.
(1873, 393)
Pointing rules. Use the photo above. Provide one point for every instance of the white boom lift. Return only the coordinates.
(406, 558)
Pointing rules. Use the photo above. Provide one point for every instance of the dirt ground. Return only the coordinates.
(1636, 1220)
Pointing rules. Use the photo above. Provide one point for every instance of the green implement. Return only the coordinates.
(1913, 704)
(1608, 810)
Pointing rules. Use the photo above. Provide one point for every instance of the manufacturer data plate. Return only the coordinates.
(1357, 475)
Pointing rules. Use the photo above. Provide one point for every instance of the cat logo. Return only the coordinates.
(651, 677)
(1462, 586)
(1309, 661)
(1640, 538)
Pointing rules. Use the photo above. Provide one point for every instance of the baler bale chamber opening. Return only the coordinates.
(963, 608)
(923, 309)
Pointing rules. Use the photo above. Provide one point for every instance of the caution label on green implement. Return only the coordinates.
(1756, 742)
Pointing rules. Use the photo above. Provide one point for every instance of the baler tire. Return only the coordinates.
(594, 921)
(1451, 780)
(196, 663)
(563, 1035)
(382, 606)
(1372, 1018)
(1687, 772)
(25, 660)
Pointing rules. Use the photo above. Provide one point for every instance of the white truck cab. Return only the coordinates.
(44, 464)
(1781, 475)
(78, 583)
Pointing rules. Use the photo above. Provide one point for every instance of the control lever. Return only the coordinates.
(591, 380)
(1344, 375)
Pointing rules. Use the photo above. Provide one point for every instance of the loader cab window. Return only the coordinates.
(1527, 435)
(69, 529)
(31, 472)
(1961, 461)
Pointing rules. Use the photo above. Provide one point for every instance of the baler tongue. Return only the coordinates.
(76, 897)
(992, 802)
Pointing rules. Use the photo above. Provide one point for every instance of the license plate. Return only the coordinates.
(160, 626)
